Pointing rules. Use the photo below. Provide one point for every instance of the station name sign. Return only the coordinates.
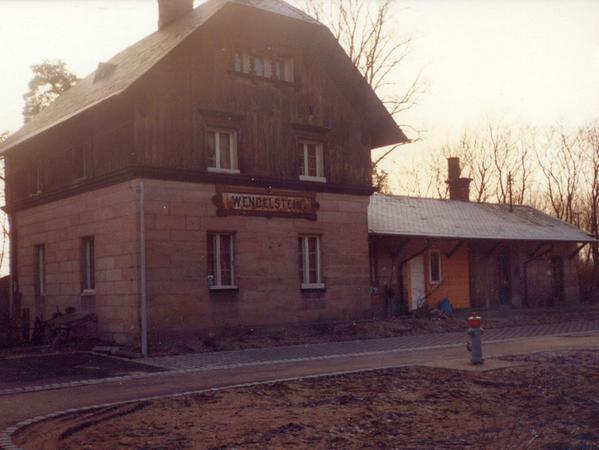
(265, 203)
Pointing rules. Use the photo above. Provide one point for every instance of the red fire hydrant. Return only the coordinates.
(475, 332)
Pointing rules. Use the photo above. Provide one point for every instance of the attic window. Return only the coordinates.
(262, 66)
(103, 71)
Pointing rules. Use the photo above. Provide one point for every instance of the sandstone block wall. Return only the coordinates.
(111, 216)
(179, 216)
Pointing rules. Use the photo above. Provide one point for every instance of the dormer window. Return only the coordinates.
(263, 66)
(222, 150)
(311, 161)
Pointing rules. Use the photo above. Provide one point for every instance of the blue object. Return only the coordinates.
(445, 306)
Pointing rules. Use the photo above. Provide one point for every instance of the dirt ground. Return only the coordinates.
(245, 338)
(544, 401)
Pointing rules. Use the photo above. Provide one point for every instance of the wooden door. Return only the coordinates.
(557, 279)
(417, 289)
(504, 285)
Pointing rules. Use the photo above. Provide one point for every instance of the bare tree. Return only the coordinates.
(562, 163)
(498, 160)
(367, 33)
(423, 180)
(589, 139)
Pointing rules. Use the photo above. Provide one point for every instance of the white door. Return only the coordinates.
(418, 293)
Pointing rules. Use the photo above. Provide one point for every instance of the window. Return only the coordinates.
(36, 179)
(276, 69)
(311, 161)
(434, 258)
(222, 151)
(40, 270)
(88, 269)
(309, 262)
(263, 66)
(259, 66)
(221, 269)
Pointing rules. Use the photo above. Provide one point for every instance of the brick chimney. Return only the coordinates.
(171, 10)
(459, 187)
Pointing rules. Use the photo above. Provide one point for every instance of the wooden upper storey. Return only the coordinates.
(250, 97)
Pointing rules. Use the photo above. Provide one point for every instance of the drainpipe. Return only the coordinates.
(143, 306)
(14, 297)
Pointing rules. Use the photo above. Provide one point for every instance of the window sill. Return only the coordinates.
(223, 288)
(88, 292)
(219, 170)
(252, 76)
(305, 287)
(314, 179)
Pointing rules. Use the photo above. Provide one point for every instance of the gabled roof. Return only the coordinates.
(453, 219)
(133, 62)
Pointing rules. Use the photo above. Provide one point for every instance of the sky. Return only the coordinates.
(501, 61)
(498, 60)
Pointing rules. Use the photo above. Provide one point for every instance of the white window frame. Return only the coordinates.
(234, 169)
(319, 177)
(305, 260)
(37, 180)
(40, 256)
(245, 63)
(216, 245)
(89, 266)
(430, 267)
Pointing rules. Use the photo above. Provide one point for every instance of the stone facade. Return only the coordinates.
(178, 217)
(110, 215)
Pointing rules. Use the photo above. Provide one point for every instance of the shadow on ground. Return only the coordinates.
(65, 367)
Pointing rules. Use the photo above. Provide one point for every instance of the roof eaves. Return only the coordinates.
(372, 232)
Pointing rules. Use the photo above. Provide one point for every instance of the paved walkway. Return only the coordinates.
(348, 348)
(304, 354)
(25, 408)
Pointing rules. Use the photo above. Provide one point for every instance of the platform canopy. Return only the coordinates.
(452, 219)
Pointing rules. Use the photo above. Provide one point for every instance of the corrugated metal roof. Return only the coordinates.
(132, 63)
(425, 217)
